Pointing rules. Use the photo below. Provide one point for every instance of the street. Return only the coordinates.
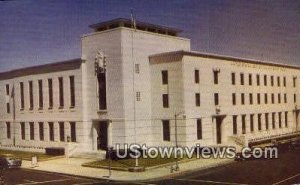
(285, 170)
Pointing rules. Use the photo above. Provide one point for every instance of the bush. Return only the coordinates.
(55, 151)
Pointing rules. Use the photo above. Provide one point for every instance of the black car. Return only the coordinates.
(9, 161)
(295, 145)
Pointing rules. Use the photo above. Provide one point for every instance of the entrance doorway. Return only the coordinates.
(297, 120)
(102, 135)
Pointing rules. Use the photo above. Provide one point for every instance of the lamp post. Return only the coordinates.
(176, 139)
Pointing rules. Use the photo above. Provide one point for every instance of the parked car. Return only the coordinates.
(9, 161)
(295, 145)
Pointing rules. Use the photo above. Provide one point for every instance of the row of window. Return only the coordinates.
(167, 132)
(259, 121)
(42, 130)
(258, 98)
(41, 96)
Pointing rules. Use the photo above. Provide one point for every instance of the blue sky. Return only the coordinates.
(34, 32)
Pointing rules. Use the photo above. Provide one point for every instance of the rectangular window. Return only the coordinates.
(257, 80)
(199, 129)
(251, 98)
(272, 80)
(278, 81)
(233, 78)
(243, 124)
(165, 98)
(61, 131)
(41, 131)
(22, 124)
(166, 130)
(31, 129)
(8, 130)
(50, 91)
(22, 95)
(273, 98)
(197, 99)
(138, 96)
(273, 120)
(216, 97)
(284, 81)
(279, 98)
(286, 119)
(250, 79)
(242, 79)
(61, 92)
(30, 95)
(285, 98)
(267, 121)
(72, 91)
(197, 76)
(8, 108)
(265, 80)
(295, 98)
(40, 94)
(259, 121)
(234, 125)
(51, 131)
(243, 99)
(7, 89)
(102, 98)
(294, 81)
(233, 99)
(216, 77)
(137, 68)
(279, 119)
(164, 75)
(258, 99)
(252, 123)
(73, 131)
(266, 98)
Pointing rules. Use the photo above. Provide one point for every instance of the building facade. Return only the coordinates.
(132, 84)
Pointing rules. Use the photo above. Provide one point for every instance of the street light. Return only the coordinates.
(176, 138)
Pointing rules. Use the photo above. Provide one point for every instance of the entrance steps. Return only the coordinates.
(97, 155)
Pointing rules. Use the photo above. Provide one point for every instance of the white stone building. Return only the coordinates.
(130, 83)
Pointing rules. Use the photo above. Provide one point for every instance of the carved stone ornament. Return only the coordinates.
(100, 62)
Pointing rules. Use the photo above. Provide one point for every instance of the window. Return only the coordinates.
(50, 91)
(278, 81)
(164, 77)
(273, 98)
(22, 95)
(267, 121)
(73, 131)
(272, 81)
(266, 98)
(22, 124)
(286, 119)
(197, 77)
(279, 98)
(234, 126)
(8, 130)
(285, 98)
(61, 92)
(40, 94)
(30, 95)
(41, 131)
(61, 131)
(295, 98)
(294, 81)
(233, 99)
(259, 121)
(7, 89)
(250, 79)
(251, 98)
(166, 130)
(243, 124)
(284, 81)
(199, 129)
(257, 80)
(31, 129)
(197, 99)
(137, 68)
(7, 108)
(216, 76)
(258, 99)
(72, 91)
(242, 79)
(273, 120)
(243, 99)
(251, 122)
(279, 119)
(102, 100)
(51, 131)
(233, 78)
(216, 97)
(138, 96)
(165, 100)
(265, 80)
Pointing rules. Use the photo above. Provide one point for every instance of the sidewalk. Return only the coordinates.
(72, 166)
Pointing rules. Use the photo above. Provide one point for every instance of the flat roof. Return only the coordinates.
(182, 53)
(122, 22)
(40, 69)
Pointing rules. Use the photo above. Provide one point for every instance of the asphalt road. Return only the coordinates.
(285, 170)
